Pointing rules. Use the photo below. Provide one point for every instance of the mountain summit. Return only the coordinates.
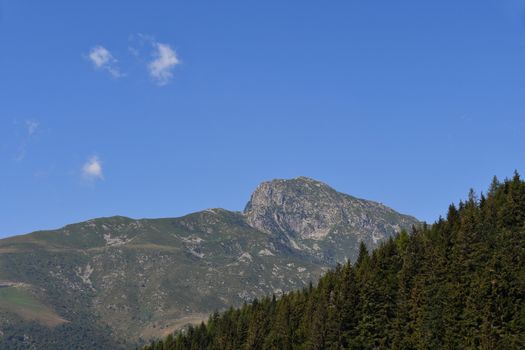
(95, 283)
(309, 214)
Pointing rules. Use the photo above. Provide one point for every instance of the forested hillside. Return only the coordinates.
(458, 284)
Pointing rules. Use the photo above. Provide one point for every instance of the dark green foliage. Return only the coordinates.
(458, 284)
(83, 336)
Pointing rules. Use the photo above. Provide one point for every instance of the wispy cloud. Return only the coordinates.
(161, 68)
(103, 59)
(31, 128)
(133, 51)
(92, 169)
(100, 56)
(158, 58)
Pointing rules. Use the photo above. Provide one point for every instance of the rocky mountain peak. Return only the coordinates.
(276, 192)
(301, 207)
(305, 208)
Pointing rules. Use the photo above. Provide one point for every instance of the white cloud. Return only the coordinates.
(31, 126)
(100, 56)
(92, 169)
(161, 68)
(103, 59)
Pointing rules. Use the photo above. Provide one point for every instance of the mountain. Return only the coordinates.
(311, 217)
(116, 282)
(458, 284)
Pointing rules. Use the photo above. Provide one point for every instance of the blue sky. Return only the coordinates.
(161, 108)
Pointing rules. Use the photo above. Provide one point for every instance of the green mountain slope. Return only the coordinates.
(459, 284)
(119, 281)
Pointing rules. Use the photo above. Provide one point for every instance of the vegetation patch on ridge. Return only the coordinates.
(21, 302)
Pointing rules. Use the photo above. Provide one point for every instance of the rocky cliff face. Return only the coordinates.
(309, 214)
(118, 278)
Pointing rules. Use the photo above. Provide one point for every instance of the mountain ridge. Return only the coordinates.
(306, 179)
(135, 279)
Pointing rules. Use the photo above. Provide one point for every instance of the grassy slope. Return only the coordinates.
(22, 303)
